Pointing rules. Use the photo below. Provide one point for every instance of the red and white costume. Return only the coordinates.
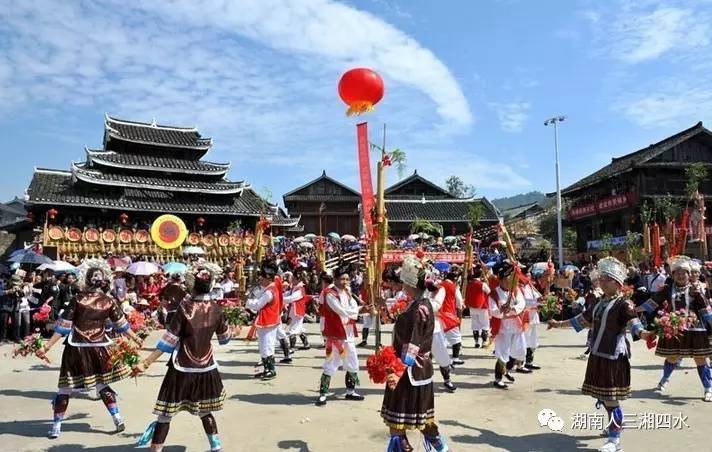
(448, 313)
(509, 340)
(476, 300)
(439, 346)
(531, 299)
(268, 306)
(338, 315)
(296, 298)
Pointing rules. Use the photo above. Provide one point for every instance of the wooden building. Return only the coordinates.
(608, 201)
(142, 171)
(412, 198)
(325, 205)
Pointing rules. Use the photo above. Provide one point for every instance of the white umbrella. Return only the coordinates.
(143, 268)
(193, 250)
(348, 238)
(58, 266)
(306, 245)
(299, 240)
(413, 237)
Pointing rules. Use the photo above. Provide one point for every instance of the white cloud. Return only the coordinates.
(511, 115)
(671, 104)
(635, 32)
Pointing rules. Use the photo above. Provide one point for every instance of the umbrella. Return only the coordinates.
(58, 267)
(310, 236)
(450, 238)
(119, 262)
(279, 238)
(413, 237)
(299, 240)
(143, 268)
(306, 245)
(348, 238)
(175, 267)
(333, 236)
(30, 257)
(442, 266)
(19, 251)
(193, 250)
(571, 267)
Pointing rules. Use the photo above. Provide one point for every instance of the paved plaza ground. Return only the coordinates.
(280, 415)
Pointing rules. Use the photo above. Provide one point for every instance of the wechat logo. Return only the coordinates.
(548, 418)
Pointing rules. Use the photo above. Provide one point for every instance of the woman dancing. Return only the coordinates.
(408, 403)
(192, 383)
(85, 361)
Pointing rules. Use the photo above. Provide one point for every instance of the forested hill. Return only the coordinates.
(519, 200)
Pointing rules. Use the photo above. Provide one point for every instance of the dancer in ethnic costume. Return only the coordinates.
(684, 297)
(608, 369)
(297, 299)
(476, 300)
(339, 312)
(436, 294)
(409, 403)
(268, 306)
(85, 361)
(192, 382)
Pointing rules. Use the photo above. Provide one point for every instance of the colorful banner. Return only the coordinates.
(396, 256)
(604, 205)
(364, 166)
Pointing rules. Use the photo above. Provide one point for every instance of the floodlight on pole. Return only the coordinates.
(555, 120)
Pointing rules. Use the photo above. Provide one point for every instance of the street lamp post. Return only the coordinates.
(555, 121)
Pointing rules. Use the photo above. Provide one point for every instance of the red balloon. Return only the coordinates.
(360, 89)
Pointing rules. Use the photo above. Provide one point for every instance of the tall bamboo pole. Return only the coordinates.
(382, 226)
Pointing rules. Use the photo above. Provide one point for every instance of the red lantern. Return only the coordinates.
(200, 221)
(123, 218)
(360, 89)
(52, 213)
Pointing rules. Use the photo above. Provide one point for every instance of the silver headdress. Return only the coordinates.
(89, 264)
(680, 263)
(613, 268)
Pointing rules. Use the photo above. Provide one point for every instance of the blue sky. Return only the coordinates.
(468, 83)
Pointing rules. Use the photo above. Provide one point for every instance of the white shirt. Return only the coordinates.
(346, 307)
(509, 324)
(263, 298)
(436, 300)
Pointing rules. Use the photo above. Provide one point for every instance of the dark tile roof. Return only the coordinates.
(56, 188)
(415, 177)
(325, 198)
(149, 162)
(155, 134)
(291, 196)
(522, 210)
(626, 163)
(158, 183)
(440, 210)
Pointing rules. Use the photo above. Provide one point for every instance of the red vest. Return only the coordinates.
(300, 306)
(448, 311)
(496, 323)
(475, 297)
(333, 324)
(270, 314)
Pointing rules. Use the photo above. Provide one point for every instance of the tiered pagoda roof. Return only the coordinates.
(152, 168)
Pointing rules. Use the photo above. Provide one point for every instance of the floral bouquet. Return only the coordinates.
(141, 325)
(550, 307)
(42, 316)
(123, 353)
(670, 325)
(384, 363)
(30, 346)
(397, 308)
(236, 315)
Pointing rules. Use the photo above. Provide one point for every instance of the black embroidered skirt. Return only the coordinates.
(196, 393)
(607, 379)
(692, 344)
(408, 407)
(85, 367)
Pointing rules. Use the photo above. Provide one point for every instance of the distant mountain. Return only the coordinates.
(520, 200)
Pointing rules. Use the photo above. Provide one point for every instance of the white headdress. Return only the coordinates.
(613, 268)
(410, 271)
(87, 265)
(695, 266)
(680, 263)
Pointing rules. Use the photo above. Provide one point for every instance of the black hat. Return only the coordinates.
(269, 270)
(344, 268)
(503, 269)
(390, 274)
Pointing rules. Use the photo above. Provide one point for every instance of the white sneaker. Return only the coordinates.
(708, 395)
(54, 430)
(661, 386)
(612, 445)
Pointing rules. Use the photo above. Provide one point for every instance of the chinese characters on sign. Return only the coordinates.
(637, 421)
(602, 206)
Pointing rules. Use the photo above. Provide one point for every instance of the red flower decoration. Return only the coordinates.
(383, 363)
(52, 213)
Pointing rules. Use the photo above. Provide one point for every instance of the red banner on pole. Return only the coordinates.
(364, 166)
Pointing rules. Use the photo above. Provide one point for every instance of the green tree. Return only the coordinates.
(696, 174)
(424, 226)
(397, 156)
(607, 244)
(633, 247)
(570, 237)
(458, 188)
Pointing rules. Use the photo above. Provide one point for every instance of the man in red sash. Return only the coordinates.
(339, 313)
(506, 306)
(296, 298)
(449, 313)
(477, 293)
(268, 306)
